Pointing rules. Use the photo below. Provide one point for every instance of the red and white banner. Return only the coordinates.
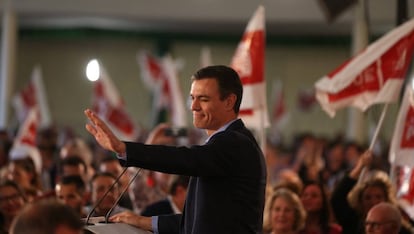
(248, 61)
(24, 144)
(402, 143)
(373, 76)
(161, 77)
(31, 96)
(109, 105)
(405, 188)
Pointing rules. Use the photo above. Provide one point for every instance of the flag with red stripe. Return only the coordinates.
(33, 95)
(109, 105)
(248, 61)
(161, 77)
(24, 144)
(373, 76)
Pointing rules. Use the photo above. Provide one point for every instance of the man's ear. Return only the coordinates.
(230, 101)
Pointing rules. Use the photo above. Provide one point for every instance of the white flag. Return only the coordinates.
(24, 143)
(33, 95)
(373, 76)
(109, 105)
(402, 144)
(161, 77)
(248, 61)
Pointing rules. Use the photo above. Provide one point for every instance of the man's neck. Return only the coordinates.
(211, 132)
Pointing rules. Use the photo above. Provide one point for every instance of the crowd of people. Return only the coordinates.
(79, 175)
(315, 186)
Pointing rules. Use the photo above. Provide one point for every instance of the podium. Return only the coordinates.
(111, 228)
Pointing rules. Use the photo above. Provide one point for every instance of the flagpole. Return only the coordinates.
(360, 41)
(381, 120)
(375, 136)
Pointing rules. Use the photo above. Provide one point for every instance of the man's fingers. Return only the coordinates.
(90, 129)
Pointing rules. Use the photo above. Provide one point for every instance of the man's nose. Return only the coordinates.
(195, 105)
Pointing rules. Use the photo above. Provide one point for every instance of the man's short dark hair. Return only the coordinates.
(75, 180)
(228, 81)
(44, 217)
(73, 161)
(101, 174)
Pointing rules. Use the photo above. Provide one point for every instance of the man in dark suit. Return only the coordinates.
(228, 174)
(174, 203)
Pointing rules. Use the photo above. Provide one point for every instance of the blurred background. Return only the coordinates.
(305, 40)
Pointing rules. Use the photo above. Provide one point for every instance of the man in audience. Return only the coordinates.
(174, 203)
(47, 217)
(100, 183)
(110, 164)
(383, 218)
(74, 165)
(71, 190)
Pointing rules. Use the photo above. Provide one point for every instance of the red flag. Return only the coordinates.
(402, 144)
(108, 104)
(161, 77)
(248, 61)
(33, 95)
(373, 76)
(25, 142)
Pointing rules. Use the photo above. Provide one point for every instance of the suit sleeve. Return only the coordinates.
(169, 224)
(216, 158)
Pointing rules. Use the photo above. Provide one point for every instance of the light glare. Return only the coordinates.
(92, 70)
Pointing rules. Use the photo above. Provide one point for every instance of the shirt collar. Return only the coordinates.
(221, 129)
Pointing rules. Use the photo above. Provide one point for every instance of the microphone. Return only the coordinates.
(102, 198)
(122, 194)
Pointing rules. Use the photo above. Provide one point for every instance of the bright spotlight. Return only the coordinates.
(92, 70)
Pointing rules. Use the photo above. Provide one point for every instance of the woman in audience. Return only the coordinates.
(284, 213)
(319, 219)
(12, 200)
(351, 200)
(23, 172)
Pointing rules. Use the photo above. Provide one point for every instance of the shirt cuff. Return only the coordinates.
(154, 224)
(122, 156)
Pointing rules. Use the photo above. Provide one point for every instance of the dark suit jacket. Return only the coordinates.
(162, 207)
(227, 189)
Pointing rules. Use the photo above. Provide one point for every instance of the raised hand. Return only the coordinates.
(157, 136)
(103, 135)
(364, 161)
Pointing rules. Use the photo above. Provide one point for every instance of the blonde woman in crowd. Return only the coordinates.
(351, 200)
(284, 213)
